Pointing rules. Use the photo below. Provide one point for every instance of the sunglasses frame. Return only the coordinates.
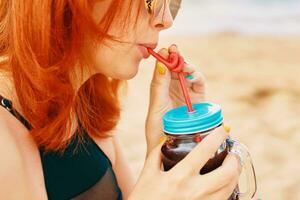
(151, 5)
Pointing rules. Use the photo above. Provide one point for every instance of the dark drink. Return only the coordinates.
(178, 146)
(174, 150)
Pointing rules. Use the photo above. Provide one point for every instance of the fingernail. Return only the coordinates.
(161, 69)
(189, 76)
(174, 45)
(162, 139)
(227, 128)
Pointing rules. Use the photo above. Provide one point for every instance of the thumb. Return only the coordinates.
(159, 102)
(160, 83)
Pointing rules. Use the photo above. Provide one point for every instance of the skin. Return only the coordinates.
(128, 56)
(20, 161)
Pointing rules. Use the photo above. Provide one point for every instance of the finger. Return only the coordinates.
(226, 192)
(164, 53)
(197, 82)
(196, 76)
(173, 49)
(224, 175)
(198, 157)
(159, 101)
(160, 82)
(188, 69)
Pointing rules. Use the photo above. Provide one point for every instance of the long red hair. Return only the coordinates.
(41, 42)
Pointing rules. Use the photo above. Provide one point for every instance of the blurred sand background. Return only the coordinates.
(254, 76)
(256, 79)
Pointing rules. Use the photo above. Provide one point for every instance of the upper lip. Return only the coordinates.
(149, 45)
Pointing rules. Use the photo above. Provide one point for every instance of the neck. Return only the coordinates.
(80, 75)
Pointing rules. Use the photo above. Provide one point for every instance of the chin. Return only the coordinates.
(127, 72)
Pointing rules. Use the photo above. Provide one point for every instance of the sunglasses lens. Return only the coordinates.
(174, 7)
(155, 6)
(158, 6)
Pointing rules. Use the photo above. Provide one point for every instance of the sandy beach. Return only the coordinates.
(256, 80)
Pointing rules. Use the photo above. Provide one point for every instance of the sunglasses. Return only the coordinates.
(154, 6)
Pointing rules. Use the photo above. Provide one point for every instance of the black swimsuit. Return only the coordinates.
(82, 172)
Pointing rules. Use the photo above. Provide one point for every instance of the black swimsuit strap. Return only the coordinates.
(7, 104)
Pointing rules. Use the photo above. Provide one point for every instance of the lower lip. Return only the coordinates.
(143, 51)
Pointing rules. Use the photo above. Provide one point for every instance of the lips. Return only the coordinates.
(143, 48)
(149, 45)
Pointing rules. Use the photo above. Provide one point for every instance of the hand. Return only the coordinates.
(196, 85)
(183, 181)
(166, 94)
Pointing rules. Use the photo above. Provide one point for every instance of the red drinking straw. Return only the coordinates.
(175, 63)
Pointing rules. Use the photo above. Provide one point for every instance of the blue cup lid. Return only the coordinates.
(179, 121)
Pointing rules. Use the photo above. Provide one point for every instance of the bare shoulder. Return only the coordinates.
(6, 138)
(11, 172)
(20, 165)
(12, 168)
(9, 154)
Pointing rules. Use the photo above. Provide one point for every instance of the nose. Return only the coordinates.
(163, 20)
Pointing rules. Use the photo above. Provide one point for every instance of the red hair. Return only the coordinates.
(41, 41)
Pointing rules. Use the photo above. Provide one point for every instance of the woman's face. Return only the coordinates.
(121, 60)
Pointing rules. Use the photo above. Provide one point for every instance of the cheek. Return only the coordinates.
(116, 63)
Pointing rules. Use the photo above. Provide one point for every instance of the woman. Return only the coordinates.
(62, 64)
